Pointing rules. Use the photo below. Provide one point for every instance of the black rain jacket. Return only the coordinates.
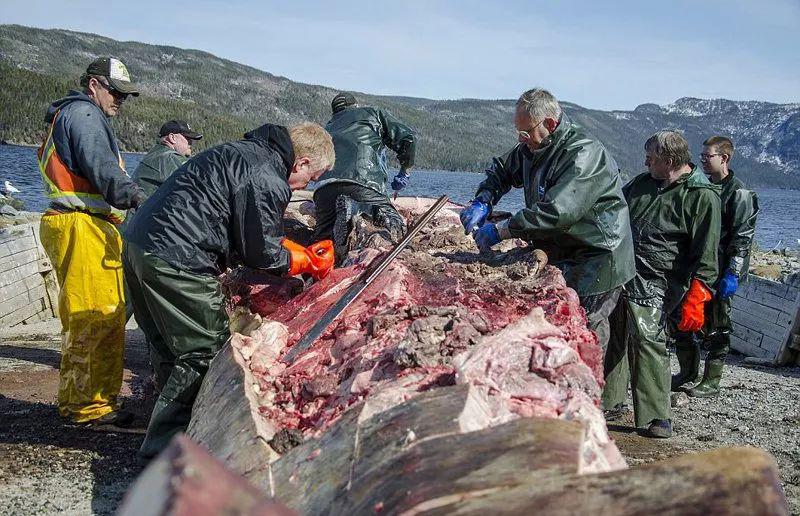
(222, 207)
(739, 213)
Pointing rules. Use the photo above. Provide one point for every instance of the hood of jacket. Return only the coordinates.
(72, 96)
(277, 138)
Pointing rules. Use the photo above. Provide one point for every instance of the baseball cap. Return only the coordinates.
(115, 72)
(341, 101)
(179, 127)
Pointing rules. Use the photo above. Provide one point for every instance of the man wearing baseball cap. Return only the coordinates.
(88, 188)
(172, 150)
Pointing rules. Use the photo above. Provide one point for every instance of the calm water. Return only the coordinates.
(778, 223)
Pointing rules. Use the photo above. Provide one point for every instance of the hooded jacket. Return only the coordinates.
(360, 138)
(156, 167)
(223, 207)
(675, 234)
(574, 207)
(85, 142)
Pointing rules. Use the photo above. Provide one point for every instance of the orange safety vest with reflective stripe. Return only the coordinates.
(69, 190)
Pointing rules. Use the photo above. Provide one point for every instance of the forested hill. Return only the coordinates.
(223, 99)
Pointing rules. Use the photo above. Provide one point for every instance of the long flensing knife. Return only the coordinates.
(367, 277)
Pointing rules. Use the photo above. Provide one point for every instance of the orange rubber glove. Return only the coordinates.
(693, 314)
(316, 260)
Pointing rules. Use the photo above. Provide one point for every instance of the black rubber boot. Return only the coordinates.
(688, 354)
(346, 209)
(659, 429)
(709, 385)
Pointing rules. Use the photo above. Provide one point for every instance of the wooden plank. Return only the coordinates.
(756, 309)
(21, 301)
(748, 349)
(17, 246)
(22, 313)
(25, 284)
(774, 346)
(18, 259)
(14, 232)
(766, 328)
(767, 286)
(770, 300)
(21, 272)
(752, 336)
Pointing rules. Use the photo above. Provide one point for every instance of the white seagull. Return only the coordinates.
(9, 188)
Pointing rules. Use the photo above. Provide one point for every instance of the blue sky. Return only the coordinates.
(598, 54)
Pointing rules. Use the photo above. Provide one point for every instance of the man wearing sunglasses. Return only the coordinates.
(85, 180)
(574, 208)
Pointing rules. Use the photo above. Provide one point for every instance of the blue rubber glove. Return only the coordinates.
(728, 285)
(486, 237)
(474, 215)
(400, 180)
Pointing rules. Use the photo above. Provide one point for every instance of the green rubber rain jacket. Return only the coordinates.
(360, 138)
(574, 207)
(739, 213)
(675, 235)
(156, 167)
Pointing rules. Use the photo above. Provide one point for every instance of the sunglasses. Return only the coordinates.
(116, 94)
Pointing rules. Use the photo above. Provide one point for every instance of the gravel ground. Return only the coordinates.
(758, 407)
(47, 467)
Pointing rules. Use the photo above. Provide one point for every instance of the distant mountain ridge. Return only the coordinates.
(224, 99)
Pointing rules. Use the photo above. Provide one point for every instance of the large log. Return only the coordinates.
(186, 481)
(225, 417)
(729, 481)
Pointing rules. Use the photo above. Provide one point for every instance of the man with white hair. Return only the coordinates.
(574, 207)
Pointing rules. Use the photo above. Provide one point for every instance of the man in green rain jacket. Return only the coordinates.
(357, 183)
(172, 150)
(574, 207)
(675, 218)
(739, 213)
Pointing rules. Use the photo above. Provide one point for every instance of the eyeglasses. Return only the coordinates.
(526, 135)
(116, 94)
(706, 157)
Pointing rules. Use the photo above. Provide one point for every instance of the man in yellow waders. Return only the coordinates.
(87, 185)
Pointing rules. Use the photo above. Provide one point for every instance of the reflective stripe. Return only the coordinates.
(69, 190)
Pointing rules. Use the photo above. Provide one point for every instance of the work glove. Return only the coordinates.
(473, 216)
(316, 260)
(693, 309)
(728, 284)
(486, 237)
(400, 180)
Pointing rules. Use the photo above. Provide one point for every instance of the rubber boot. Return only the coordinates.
(709, 386)
(689, 360)
(346, 209)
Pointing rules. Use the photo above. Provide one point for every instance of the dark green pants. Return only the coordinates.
(716, 335)
(183, 316)
(637, 352)
(599, 308)
(325, 204)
